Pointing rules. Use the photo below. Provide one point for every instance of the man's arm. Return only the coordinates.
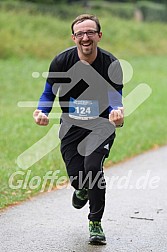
(44, 106)
(116, 110)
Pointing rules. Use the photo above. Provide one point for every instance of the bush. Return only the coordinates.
(153, 11)
(56, 10)
(122, 10)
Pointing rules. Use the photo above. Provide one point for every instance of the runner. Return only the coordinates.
(90, 96)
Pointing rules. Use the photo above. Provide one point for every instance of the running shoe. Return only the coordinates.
(80, 198)
(97, 237)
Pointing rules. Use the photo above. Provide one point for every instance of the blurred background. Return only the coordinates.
(32, 33)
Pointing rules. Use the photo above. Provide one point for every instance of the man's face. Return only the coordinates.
(86, 42)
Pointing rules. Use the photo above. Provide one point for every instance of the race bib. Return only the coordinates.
(83, 109)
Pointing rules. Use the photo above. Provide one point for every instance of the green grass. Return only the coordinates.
(38, 36)
(145, 128)
(29, 43)
(18, 129)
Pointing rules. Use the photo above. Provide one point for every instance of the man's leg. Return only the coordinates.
(75, 169)
(96, 195)
(96, 185)
(74, 164)
(96, 190)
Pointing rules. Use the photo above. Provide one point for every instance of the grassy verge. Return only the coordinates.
(36, 36)
(145, 127)
(19, 131)
(29, 43)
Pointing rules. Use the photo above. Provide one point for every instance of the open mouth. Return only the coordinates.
(86, 44)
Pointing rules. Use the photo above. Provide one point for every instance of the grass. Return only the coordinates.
(145, 127)
(31, 41)
(39, 37)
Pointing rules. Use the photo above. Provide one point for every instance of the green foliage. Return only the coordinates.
(153, 11)
(67, 9)
(122, 10)
(56, 10)
(35, 35)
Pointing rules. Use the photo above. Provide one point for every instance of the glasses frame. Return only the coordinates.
(83, 33)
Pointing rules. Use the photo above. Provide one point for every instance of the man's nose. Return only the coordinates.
(85, 36)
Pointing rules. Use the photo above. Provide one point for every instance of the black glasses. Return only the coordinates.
(88, 33)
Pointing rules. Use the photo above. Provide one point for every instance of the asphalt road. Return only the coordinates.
(135, 217)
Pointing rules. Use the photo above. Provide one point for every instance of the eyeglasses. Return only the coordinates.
(88, 33)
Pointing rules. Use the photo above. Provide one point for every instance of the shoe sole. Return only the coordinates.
(97, 241)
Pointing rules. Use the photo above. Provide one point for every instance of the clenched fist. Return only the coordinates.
(117, 116)
(40, 118)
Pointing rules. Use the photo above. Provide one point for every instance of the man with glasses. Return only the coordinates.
(90, 114)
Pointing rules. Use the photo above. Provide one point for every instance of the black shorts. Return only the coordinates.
(84, 141)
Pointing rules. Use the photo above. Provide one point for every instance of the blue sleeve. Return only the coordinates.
(47, 98)
(115, 99)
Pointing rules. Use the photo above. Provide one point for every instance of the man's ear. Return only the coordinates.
(100, 34)
(73, 37)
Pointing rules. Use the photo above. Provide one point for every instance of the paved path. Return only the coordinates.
(135, 217)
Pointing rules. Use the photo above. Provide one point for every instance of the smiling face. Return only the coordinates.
(86, 39)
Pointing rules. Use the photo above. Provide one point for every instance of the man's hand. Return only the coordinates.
(40, 118)
(117, 116)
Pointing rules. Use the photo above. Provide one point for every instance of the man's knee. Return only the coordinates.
(78, 180)
(92, 166)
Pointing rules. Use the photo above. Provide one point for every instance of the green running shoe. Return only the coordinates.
(80, 198)
(97, 237)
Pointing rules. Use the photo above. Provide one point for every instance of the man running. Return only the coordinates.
(91, 103)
